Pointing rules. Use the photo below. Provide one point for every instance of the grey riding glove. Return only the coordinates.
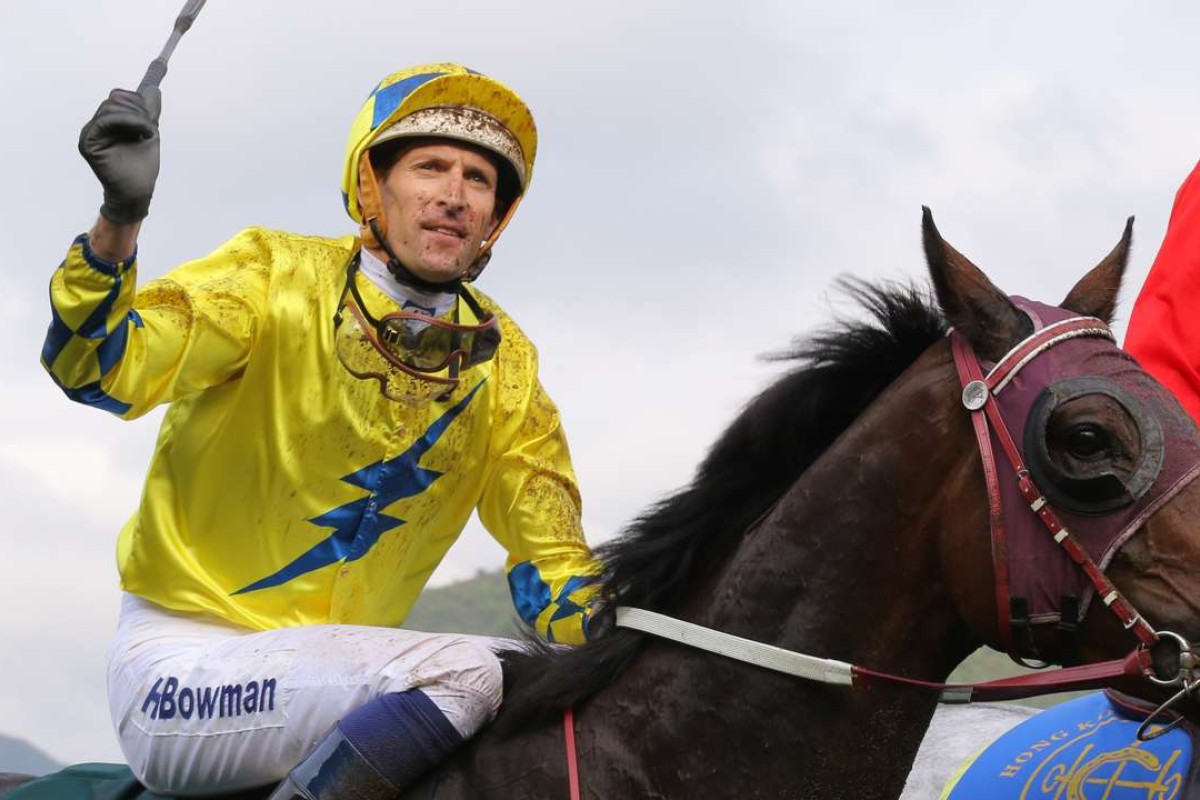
(120, 143)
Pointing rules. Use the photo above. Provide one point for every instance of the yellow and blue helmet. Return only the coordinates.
(440, 100)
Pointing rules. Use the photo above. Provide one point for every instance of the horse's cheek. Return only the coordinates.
(1157, 567)
(965, 548)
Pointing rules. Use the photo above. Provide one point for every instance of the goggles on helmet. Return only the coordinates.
(406, 346)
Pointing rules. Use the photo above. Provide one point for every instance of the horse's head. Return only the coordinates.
(1108, 455)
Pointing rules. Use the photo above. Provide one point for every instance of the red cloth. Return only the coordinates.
(1164, 328)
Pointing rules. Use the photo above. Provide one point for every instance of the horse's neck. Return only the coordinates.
(847, 566)
(844, 566)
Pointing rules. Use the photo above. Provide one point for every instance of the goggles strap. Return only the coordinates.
(472, 304)
(446, 395)
(351, 266)
(481, 316)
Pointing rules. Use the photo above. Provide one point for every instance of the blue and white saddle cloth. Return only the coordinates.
(1083, 749)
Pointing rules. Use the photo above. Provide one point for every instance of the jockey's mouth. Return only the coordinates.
(447, 230)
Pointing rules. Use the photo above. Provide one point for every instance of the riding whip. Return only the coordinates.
(158, 67)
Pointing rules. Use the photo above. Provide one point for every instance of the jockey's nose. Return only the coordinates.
(453, 195)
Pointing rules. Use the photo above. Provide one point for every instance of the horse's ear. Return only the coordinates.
(971, 303)
(1096, 293)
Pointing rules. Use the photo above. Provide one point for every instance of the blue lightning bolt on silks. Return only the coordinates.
(358, 525)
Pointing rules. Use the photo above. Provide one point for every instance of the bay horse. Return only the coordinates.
(843, 514)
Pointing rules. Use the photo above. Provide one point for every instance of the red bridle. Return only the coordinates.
(979, 398)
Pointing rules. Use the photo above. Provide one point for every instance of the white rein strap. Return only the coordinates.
(825, 670)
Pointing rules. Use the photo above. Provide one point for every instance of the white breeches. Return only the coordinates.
(205, 707)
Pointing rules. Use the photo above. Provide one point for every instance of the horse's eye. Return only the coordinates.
(1091, 446)
(1086, 441)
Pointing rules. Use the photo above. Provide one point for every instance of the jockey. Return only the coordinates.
(338, 408)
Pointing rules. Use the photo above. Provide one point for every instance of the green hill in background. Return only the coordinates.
(479, 605)
(483, 605)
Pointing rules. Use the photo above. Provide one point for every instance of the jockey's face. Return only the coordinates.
(439, 199)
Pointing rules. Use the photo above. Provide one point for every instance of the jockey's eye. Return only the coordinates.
(1086, 441)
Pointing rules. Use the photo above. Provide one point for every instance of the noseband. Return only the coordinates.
(1049, 561)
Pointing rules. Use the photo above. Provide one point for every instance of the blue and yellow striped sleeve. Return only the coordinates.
(91, 313)
(531, 505)
(114, 347)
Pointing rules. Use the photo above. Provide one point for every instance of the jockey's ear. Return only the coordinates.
(971, 303)
(1096, 293)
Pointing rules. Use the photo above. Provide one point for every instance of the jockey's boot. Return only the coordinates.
(334, 769)
(375, 751)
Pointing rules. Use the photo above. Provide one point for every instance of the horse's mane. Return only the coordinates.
(773, 440)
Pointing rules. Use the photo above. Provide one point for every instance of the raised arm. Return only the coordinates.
(125, 351)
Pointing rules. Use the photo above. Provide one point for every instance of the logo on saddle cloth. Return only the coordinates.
(1084, 749)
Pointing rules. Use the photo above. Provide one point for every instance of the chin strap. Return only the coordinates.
(403, 273)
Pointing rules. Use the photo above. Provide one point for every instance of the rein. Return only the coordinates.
(832, 671)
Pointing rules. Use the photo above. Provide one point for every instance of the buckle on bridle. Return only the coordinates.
(1185, 677)
(1188, 661)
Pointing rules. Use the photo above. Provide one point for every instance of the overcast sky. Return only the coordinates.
(706, 171)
